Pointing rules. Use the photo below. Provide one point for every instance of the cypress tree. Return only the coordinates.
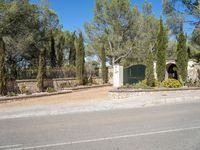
(3, 89)
(161, 52)
(189, 53)
(52, 52)
(60, 51)
(80, 59)
(182, 55)
(104, 69)
(72, 52)
(149, 70)
(41, 70)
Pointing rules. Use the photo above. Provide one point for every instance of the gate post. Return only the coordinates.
(118, 76)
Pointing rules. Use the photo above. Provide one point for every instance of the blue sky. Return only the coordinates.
(74, 13)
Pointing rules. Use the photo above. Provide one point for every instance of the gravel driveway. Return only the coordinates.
(81, 96)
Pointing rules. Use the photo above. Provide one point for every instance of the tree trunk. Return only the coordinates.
(3, 89)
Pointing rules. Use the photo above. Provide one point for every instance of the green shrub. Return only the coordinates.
(141, 85)
(65, 85)
(158, 83)
(11, 94)
(197, 83)
(28, 92)
(192, 83)
(23, 89)
(50, 90)
(171, 83)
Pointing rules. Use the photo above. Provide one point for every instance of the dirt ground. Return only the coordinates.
(71, 98)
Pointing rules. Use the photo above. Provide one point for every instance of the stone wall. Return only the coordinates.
(193, 70)
(124, 94)
(110, 74)
(31, 84)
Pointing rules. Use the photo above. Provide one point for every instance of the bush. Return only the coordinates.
(50, 90)
(192, 83)
(141, 85)
(23, 89)
(11, 94)
(158, 83)
(65, 85)
(171, 83)
(28, 92)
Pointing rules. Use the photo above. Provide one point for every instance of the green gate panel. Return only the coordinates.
(134, 74)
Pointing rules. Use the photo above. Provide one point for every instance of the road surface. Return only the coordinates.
(170, 127)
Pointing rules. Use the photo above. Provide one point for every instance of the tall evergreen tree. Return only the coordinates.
(80, 59)
(182, 56)
(161, 52)
(60, 51)
(72, 52)
(103, 65)
(52, 52)
(3, 89)
(41, 70)
(189, 52)
(149, 70)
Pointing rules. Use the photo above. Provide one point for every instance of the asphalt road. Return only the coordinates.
(172, 127)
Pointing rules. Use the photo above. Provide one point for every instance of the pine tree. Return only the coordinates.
(150, 70)
(161, 52)
(3, 89)
(72, 52)
(182, 56)
(104, 69)
(80, 59)
(52, 52)
(41, 70)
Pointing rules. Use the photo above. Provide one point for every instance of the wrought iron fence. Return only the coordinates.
(51, 73)
(31, 73)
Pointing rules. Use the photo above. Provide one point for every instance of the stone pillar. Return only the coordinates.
(192, 70)
(118, 77)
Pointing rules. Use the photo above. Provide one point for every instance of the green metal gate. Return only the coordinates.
(134, 74)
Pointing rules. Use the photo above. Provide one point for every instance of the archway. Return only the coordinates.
(172, 71)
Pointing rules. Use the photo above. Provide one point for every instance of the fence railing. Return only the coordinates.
(67, 72)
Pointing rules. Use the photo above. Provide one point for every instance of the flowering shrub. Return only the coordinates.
(171, 83)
